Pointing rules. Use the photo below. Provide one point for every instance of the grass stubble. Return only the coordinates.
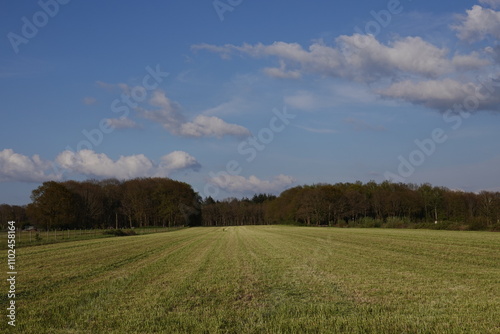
(262, 279)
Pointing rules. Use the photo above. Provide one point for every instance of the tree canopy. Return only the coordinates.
(164, 202)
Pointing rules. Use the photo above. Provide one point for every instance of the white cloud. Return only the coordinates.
(357, 57)
(479, 23)
(281, 72)
(411, 55)
(469, 62)
(162, 110)
(169, 115)
(167, 112)
(211, 126)
(178, 160)
(444, 94)
(122, 123)
(252, 184)
(492, 3)
(90, 163)
(18, 167)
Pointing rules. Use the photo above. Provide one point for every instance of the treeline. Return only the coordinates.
(112, 204)
(165, 202)
(386, 204)
(362, 205)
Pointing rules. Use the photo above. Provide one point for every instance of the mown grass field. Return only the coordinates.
(262, 279)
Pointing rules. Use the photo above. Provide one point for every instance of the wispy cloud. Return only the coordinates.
(169, 114)
(89, 100)
(361, 125)
(316, 130)
(122, 123)
(281, 72)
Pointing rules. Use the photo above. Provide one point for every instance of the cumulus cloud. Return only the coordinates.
(252, 184)
(411, 55)
(404, 68)
(90, 163)
(178, 160)
(169, 115)
(122, 123)
(357, 57)
(446, 93)
(479, 23)
(18, 167)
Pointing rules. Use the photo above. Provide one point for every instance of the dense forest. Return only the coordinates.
(165, 202)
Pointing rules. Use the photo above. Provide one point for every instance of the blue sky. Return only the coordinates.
(240, 97)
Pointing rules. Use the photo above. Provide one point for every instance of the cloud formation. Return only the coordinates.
(446, 93)
(409, 69)
(90, 163)
(178, 160)
(252, 184)
(358, 57)
(18, 167)
(281, 72)
(479, 23)
(15, 167)
(169, 115)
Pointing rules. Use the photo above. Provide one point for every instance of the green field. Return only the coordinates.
(262, 279)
